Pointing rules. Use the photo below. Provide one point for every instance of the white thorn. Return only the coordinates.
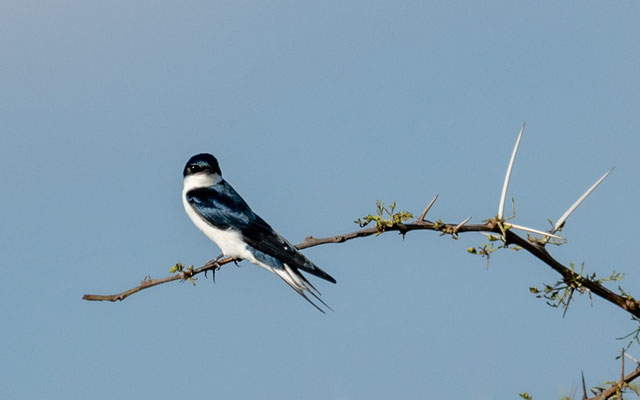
(631, 358)
(505, 185)
(524, 228)
(426, 210)
(461, 224)
(579, 201)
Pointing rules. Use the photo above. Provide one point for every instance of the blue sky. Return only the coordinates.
(315, 110)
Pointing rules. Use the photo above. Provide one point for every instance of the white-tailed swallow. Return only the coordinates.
(221, 214)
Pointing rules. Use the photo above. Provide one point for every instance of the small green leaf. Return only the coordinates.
(176, 268)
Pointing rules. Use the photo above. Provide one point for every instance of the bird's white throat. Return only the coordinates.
(200, 180)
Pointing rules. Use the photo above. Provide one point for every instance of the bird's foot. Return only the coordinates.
(215, 266)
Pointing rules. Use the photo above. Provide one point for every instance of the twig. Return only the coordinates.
(147, 283)
(308, 242)
(572, 278)
(491, 226)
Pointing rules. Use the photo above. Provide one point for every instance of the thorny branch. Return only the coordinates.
(497, 225)
(616, 388)
(533, 246)
(310, 241)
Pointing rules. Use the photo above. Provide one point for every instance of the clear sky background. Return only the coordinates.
(315, 110)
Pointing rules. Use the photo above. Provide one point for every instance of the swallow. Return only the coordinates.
(224, 217)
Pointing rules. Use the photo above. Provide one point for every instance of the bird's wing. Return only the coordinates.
(270, 242)
(223, 207)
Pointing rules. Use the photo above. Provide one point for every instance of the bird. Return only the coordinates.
(225, 218)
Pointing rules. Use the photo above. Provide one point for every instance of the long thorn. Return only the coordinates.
(579, 201)
(584, 388)
(505, 185)
(524, 228)
(426, 210)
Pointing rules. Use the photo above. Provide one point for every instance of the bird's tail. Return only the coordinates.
(300, 284)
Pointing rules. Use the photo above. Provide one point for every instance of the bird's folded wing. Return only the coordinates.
(223, 207)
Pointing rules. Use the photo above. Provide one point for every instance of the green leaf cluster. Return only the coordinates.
(385, 217)
(560, 294)
(180, 268)
(494, 243)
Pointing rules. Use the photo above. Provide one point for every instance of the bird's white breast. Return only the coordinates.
(229, 241)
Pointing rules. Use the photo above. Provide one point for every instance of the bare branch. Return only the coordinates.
(507, 177)
(148, 282)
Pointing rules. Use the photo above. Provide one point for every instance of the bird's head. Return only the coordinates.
(202, 164)
(202, 170)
